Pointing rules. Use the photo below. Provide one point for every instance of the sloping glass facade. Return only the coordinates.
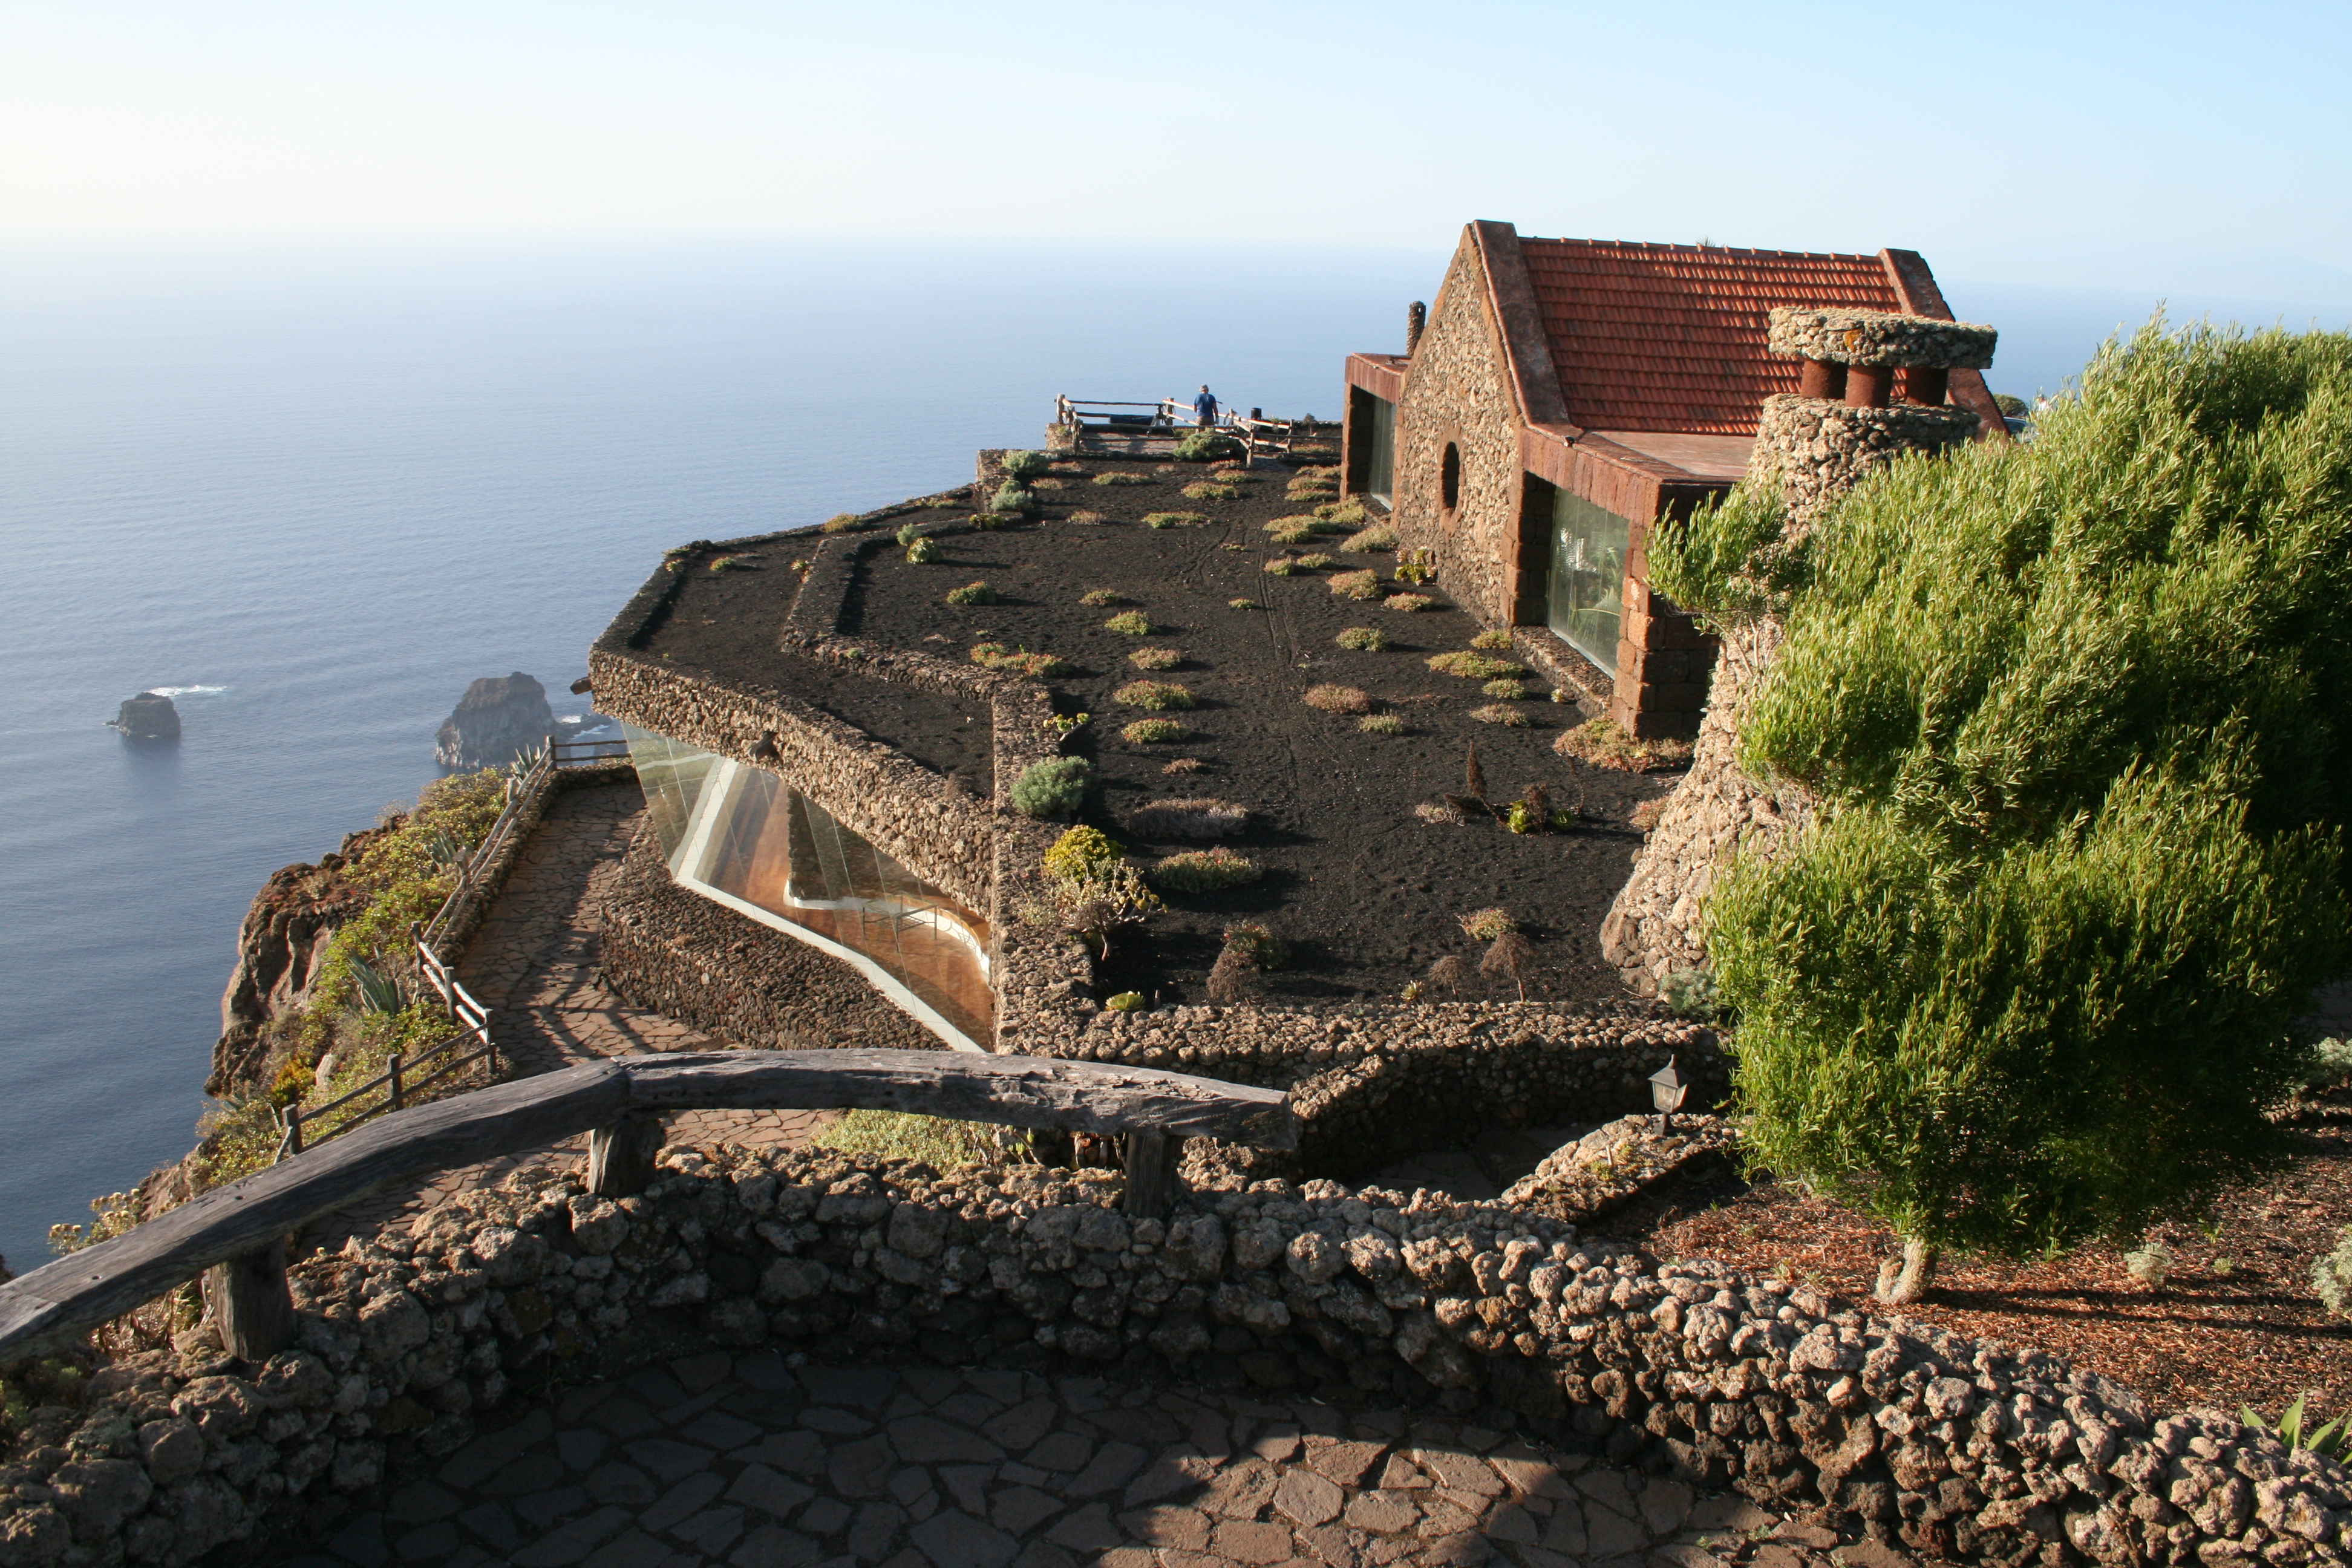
(742, 836)
(1380, 481)
(1584, 597)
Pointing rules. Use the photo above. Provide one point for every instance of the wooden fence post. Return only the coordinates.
(1152, 1174)
(621, 1158)
(250, 1304)
(395, 1080)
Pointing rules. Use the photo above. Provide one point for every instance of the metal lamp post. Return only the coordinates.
(1667, 1091)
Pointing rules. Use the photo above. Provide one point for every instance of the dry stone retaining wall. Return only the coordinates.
(1948, 1445)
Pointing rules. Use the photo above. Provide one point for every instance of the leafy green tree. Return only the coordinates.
(2076, 713)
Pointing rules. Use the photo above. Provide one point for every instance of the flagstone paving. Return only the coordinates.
(753, 1462)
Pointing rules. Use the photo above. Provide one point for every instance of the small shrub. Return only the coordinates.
(1416, 566)
(1104, 596)
(1315, 562)
(1310, 488)
(1282, 566)
(1018, 661)
(1494, 640)
(936, 1141)
(2330, 1065)
(1175, 519)
(1501, 713)
(1473, 666)
(1191, 818)
(1381, 724)
(1339, 698)
(1256, 943)
(1505, 690)
(1363, 639)
(1066, 468)
(1023, 465)
(1409, 602)
(1204, 870)
(989, 521)
(1691, 994)
(1117, 476)
(844, 522)
(1357, 585)
(735, 564)
(1055, 787)
(1125, 1001)
(1604, 745)
(1232, 978)
(1063, 723)
(1510, 958)
(1644, 818)
(2331, 1276)
(1081, 855)
(909, 533)
(2151, 1265)
(1441, 813)
(1303, 523)
(1207, 446)
(1156, 657)
(1155, 696)
(1487, 924)
(972, 593)
(1244, 605)
(1010, 497)
(1450, 974)
(1380, 536)
(922, 551)
(1341, 514)
(1089, 519)
(1290, 531)
(1209, 490)
(1183, 765)
(1047, 484)
(1151, 731)
(1129, 623)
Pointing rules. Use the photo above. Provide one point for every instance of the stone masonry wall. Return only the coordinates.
(1948, 1444)
(1459, 391)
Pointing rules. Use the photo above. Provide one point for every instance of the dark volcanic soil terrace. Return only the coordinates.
(1366, 893)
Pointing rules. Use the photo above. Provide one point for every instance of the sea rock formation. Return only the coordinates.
(498, 718)
(148, 716)
(279, 949)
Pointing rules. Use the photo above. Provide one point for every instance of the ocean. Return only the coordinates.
(311, 492)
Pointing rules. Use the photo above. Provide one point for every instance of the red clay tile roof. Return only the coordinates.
(1671, 337)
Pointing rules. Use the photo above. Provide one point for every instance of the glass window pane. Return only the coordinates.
(1381, 479)
(1585, 595)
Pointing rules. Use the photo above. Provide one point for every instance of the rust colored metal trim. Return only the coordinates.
(1535, 380)
(1915, 285)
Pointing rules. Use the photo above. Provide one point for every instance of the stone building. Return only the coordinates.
(1565, 395)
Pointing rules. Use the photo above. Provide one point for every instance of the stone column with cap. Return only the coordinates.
(1817, 444)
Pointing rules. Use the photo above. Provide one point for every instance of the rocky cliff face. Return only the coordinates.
(148, 716)
(279, 949)
(496, 719)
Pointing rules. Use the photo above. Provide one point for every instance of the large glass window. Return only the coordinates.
(1584, 599)
(743, 837)
(1380, 475)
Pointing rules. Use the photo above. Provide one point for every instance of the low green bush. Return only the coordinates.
(1116, 477)
(1174, 519)
(1363, 639)
(1024, 465)
(1357, 585)
(1018, 661)
(1152, 731)
(1012, 498)
(1473, 666)
(922, 551)
(1055, 787)
(1156, 657)
(844, 522)
(972, 593)
(1380, 536)
(1502, 714)
(1207, 446)
(1154, 696)
(1205, 871)
(1381, 724)
(1211, 489)
(1081, 855)
(1129, 623)
(936, 1141)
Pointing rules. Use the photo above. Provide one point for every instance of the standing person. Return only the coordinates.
(1205, 406)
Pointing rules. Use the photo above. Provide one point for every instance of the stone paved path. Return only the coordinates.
(755, 1463)
(533, 965)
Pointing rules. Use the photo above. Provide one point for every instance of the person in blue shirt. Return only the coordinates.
(1205, 406)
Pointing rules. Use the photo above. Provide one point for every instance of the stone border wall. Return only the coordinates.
(1948, 1444)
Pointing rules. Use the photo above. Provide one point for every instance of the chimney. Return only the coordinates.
(1416, 316)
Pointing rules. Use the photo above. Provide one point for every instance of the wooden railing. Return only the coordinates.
(1172, 417)
(236, 1234)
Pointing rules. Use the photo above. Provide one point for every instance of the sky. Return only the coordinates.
(2194, 148)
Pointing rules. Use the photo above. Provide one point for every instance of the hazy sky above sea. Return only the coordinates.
(2172, 149)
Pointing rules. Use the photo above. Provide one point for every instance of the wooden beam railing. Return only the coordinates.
(236, 1235)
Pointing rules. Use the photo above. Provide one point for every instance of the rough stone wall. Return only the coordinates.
(677, 953)
(1459, 390)
(1816, 450)
(1948, 1445)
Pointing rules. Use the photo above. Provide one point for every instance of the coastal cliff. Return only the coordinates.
(279, 949)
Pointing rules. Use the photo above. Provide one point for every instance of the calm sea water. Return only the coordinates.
(312, 494)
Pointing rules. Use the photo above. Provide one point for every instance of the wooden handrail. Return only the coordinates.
(613, 1100)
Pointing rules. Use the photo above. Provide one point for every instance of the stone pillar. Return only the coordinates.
(1815, 445)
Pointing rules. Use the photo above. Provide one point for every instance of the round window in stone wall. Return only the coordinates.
(1449, 477)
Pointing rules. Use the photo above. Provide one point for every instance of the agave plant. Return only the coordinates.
(2330, 1442)
(379, 992)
